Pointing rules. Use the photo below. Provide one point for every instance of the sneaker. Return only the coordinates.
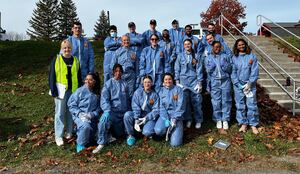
(254, 130)
(219, 124)
(225, 125)
(68, 136)
(198, 125)
(59, 141)
(243, 128)
(79, 147)
(130, 140)
(188, 124)
(111, 139)
(98, 148)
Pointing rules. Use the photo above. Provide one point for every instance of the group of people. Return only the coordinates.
(153, 84)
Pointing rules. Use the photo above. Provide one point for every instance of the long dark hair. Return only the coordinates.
(96, 88)
(193, 51)
(236, 51)
(168, 74)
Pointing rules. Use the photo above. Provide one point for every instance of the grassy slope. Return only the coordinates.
(24, 102)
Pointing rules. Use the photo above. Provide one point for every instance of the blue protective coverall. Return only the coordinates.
(171, 106)
(84, 100)
(151, 63)
(147, 34)
(144, 104)
(245, 70)
(127, 58)
(114, 101)
(218, 68)
(83, 50)
(176, 34)
(196, 43)
(188, 71)
(110, 45)
(217, 37)
(169, 48)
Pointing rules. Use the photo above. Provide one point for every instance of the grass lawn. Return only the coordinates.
(26, 128)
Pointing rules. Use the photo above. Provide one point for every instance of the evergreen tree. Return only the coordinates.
(43, 23)
(66, 17)
(102, 26)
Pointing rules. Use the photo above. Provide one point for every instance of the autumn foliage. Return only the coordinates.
(233, 10)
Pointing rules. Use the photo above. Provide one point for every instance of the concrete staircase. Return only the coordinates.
(287, 63)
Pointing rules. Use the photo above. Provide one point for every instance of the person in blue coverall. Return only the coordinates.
(111, 44)
(171, 109)
(64, 79)
(82, 49)
(244, 76)
(84, 105)
(188, 75)
(126, 57)
(211, 29)
(218, 67)
(145, 110)
(136, 43)
(151, 31)
(152, 62)
(169, 48)
(115, 103)
(176, 32)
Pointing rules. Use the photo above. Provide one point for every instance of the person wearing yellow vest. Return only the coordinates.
(64, 79)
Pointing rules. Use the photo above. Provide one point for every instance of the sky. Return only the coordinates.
(16, 13)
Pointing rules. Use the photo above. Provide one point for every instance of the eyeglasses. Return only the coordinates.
(154, 39)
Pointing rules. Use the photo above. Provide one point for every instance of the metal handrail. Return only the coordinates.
(293, 97)
(259, 23)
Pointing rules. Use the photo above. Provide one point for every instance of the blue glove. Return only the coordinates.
(240, 86)
(104, 117)
(167, 123)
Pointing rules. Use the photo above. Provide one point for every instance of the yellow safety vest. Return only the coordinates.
(61, 72)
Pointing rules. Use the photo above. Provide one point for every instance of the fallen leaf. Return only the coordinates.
(210, 140)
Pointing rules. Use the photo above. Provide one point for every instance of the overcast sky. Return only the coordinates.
(17, 13)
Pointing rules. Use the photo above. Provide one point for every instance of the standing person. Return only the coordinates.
(84, 105)
(176, 32)
(114, 103)
(189, 75)
(244, 76)
(64, 79)
(111, 44)
(168, 47)
(150, 32)
(171, 104)
(136, 44)
(145, 110)
(152, 62)
(211, 29)
(218, 67)
(127, 58)
(82, 49)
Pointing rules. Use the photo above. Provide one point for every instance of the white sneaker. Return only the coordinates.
(225, 125)
(68, 136)
(188, 124)
(59, 141)
(98, 148)
(219, 124)
(198, 125)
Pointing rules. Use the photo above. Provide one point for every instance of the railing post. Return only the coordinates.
(221, 25)
(294, 99)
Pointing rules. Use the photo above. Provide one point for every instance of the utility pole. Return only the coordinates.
(108, 18)
(1, 30)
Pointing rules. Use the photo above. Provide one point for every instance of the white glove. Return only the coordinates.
(198, 87)
(85, 117)
(173, 123)
(137, 125)
(247, 87)
(142, 120)
(178, 84)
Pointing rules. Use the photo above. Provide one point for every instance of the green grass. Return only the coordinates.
(292, 40)
(24, 101)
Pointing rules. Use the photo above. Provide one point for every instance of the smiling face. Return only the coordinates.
(211, 28)
(147, 83)
(188, 31)
(66, 48)
(217, 48)
(125, 41)
(187, 45)
(77, 30)
(210, 38)
(241, 46)
(89, 81)
(168, 81)
(153, 40)
(118, 73)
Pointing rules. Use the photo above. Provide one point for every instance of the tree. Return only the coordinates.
(102, 26)
(66, 17)
(44, 21)
(231, 9)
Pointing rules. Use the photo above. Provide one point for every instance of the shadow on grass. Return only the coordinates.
(12, 127)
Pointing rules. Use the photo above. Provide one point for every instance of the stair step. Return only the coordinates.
(264, 75)
(288, 104)
(276, 88)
